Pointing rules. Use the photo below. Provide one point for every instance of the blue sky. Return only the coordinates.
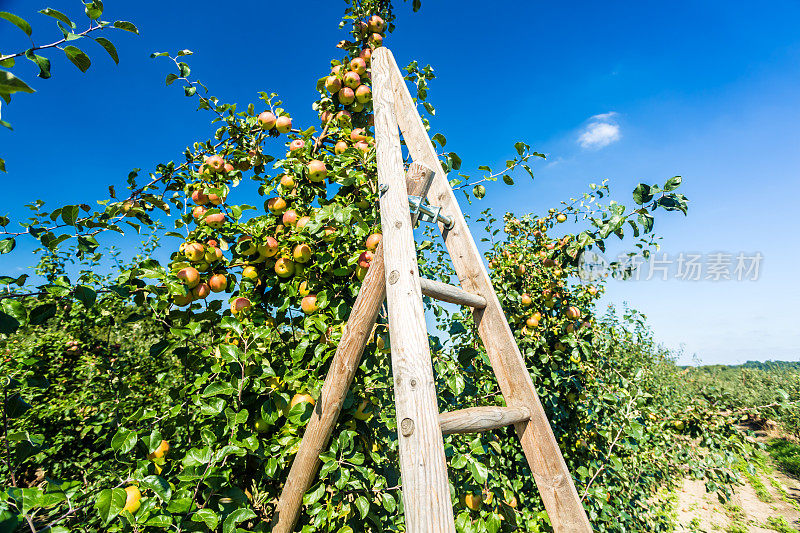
(710, 91)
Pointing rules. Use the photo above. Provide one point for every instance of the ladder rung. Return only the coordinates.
(475, 419)
(451, 294)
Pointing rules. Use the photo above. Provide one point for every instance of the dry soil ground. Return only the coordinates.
(768, 502)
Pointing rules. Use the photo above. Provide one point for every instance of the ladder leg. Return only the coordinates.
(423, 467)
(337, 383)
(550, 472)
(340, 376)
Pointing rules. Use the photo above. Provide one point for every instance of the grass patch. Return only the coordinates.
(761, 490)
(784, 495)
(750, 470)
(779, 524)
(736, 515)
(786, 455)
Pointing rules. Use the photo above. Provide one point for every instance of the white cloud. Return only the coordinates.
(601, 130)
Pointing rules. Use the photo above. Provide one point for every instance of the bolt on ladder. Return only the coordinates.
(394, 276)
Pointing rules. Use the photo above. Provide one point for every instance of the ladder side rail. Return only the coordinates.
(549, 469)
(334, 391)
(340, 375)
(423, 467)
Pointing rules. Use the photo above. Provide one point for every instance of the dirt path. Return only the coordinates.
(768, 502)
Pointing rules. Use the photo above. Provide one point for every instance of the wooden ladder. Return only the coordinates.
(394, 276)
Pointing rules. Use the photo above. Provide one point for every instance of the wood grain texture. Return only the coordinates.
(477, 419)
(550, 472)
(340, 376)
(451, 294)
(423, 468)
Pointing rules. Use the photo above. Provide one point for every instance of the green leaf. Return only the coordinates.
(15, 406)
(459, 461)
(109, 503)
(415, 5)
(3, 161)
(127, 26)
(78, 58)
(152, 441)
(646, 220)
(8, 324)
(42, 62)
(69, 214)
(58, 15)
(300, 413)
(214, 389)
(158, 485)
(42, 313)
(455, 161)
(184, 52)
(86, 295)
(439, 138)
(17, 21)
(388, 501)
(124, 440)
(674, 202)
(479, 471)
(10, 84)
(162, 521)
(236, 517)
(109, 47)
(362, 504)
(508, 180)
(231, 353)
(312, 497)
(94, 9)
(527, 169)
(672, 183)
(642, 194)
(6, 245)
(171, 78)
(493, 523)
(208, 517)
(15, 308)
(189, 91)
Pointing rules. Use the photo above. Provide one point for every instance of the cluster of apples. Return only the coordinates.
(203, 196)
(474, 500)
(372, 30)
(550, 299)
(347, 85)
(348, 82)
(196, 266)
(201, 265)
